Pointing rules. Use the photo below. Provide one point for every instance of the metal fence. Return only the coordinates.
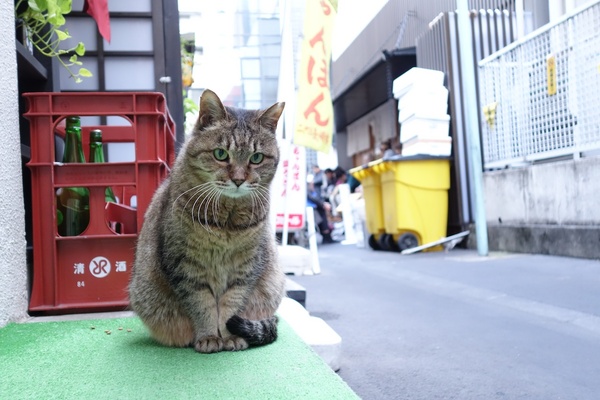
(540, 96)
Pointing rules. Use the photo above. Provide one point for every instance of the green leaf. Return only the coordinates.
(65, 6)
(85, 72)
(73, 58)
(53, 11)
(56, 19)
(38, 5)
(62, 35)
(80, 49)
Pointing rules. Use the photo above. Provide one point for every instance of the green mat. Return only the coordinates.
(80, 360)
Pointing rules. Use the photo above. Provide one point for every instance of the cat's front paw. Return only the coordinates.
(235, 343)
(209, 344)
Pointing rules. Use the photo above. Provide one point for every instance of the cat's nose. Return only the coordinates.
(238, 182)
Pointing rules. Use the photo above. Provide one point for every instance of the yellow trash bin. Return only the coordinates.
(415, 199)
(371, 186)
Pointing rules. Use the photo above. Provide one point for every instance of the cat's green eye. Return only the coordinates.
(257, 158)
(220, 154)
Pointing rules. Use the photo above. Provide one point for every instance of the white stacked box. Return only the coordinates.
(433, 99)
(424, 124)
(427, 144)
(422, 112)
(415, 77)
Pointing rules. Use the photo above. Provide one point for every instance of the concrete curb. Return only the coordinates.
(314, 331)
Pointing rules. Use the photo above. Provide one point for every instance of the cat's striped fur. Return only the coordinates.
(206, 271)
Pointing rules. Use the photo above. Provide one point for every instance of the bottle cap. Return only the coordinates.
(73, 120)
(96, 135)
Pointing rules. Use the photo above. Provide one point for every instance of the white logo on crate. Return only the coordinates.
(100, 267)
(121, 266)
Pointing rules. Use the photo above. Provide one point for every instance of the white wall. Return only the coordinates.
(13, 266)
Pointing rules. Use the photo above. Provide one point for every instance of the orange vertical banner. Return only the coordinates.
(314, 119)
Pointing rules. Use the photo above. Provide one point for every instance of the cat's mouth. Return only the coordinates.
(234, 191)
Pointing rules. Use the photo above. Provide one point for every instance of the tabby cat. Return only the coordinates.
(206, 272)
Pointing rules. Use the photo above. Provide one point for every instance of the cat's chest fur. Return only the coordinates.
(220, 257)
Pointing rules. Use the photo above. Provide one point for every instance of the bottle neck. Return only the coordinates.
(96, 152)
(73, 149)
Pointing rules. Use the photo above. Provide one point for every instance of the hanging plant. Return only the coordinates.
(35, 16)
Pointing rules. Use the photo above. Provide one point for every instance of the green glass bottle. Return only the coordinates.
(97, 156)
(73, 203)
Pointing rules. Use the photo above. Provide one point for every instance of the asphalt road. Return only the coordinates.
(458, 326)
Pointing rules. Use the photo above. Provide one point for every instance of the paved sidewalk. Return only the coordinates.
(458, 326)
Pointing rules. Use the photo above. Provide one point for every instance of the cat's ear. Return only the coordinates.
(270, 116)
(211, 109)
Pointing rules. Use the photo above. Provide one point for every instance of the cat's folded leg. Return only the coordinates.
(229, 304)
(160, 311)
(201, 307)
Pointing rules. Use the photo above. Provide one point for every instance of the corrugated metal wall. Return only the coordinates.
(397, 26)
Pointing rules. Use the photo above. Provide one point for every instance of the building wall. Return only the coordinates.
(380, 123)
(13, 266)
(564, 192)
(549, 208)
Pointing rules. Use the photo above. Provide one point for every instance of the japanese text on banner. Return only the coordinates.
(291, 196)
(314, 119)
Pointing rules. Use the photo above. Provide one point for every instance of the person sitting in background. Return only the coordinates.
(314, 200)
(334, 198)
(328, 184)
(340, 176)
(318, 178)
(386, 149)
(353, 183)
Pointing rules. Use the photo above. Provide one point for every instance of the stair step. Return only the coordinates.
(295, 291)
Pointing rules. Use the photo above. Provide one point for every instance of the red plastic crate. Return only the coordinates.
(90, 272)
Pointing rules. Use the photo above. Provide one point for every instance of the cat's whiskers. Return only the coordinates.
(263, 196)
(216, 203)
(252, 197)
(206, 201)
(259, 201)
(201, 191)
(186, 204)
(214, 199)
(198, 189)
(208, 195)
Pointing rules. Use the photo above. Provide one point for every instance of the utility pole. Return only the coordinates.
(467, 63)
